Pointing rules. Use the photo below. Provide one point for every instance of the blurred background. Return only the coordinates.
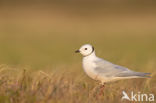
(45, 33)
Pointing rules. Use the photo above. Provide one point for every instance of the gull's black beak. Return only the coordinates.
(77, 51)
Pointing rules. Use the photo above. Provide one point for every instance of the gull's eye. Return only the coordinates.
(85, 48)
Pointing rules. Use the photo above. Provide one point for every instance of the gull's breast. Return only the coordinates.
(88, 67)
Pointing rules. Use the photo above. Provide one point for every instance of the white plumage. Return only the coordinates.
(102, 70)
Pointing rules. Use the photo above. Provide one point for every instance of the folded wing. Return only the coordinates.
(107, 69)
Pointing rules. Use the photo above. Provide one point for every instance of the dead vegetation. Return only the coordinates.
(18, 85)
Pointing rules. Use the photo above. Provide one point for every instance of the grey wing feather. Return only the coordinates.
(108, 69)
(132, 73)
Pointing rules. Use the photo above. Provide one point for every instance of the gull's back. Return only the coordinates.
(106, 69)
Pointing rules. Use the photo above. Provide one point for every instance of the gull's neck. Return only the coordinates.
(91, 56)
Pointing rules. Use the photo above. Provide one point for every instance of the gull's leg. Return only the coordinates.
(102, 88)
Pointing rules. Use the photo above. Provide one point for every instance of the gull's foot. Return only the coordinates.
(102, 89)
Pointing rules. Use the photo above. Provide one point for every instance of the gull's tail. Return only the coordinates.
(146, 75)
(134, 74)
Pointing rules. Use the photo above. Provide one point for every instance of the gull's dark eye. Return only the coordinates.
(85, 48)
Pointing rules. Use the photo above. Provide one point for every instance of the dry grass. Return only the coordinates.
(24, 85)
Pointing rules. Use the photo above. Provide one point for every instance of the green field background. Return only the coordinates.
(41, 34)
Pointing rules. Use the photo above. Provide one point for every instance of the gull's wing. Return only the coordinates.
(108, 69)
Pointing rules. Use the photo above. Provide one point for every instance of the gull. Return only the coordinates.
(105, 71)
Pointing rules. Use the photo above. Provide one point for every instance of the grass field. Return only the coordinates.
(37, 44)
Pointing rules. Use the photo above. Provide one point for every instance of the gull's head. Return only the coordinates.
(85, 50)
